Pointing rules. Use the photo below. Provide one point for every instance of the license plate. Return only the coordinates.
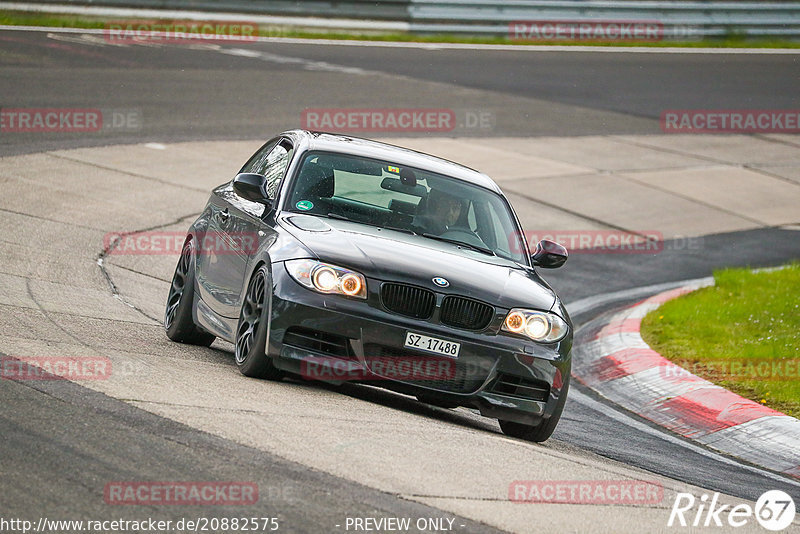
(432, 344)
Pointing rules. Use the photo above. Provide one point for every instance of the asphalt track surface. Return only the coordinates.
(202, 93)
(207, 93)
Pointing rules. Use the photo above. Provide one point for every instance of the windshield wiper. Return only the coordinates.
(398, 229)
(476, 248)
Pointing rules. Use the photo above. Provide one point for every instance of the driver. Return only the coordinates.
(443, 210)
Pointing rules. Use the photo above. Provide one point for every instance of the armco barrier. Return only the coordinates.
(356, 9)
(677, 20)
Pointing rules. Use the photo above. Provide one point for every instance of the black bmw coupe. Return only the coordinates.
(336, 258)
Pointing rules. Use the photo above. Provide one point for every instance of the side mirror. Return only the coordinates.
(251, 186)
(549, 255)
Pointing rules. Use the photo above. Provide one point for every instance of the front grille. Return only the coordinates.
(517, 386)
(466, 313)
(463, 375)
(319, 342)
(408, 300)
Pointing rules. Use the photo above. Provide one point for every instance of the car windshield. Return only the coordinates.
(388, 195)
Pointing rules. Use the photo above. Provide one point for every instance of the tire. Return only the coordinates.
(543, 430)
(178, 321)
(253, 329)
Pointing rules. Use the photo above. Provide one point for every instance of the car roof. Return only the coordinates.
(356, 146)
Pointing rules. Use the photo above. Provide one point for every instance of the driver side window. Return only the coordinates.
(258, 161)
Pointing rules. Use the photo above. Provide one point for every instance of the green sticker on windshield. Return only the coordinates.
(304, 205)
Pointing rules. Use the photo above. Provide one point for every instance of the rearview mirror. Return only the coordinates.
(396, 185)
(251, 186)
(549, 255)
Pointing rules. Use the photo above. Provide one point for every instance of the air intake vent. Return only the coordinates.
(526, 388)
(319, 342)
(466, 313)
(408, 300)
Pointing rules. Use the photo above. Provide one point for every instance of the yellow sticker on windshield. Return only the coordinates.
(395, 170)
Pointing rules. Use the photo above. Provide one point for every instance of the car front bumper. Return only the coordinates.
(336, 339)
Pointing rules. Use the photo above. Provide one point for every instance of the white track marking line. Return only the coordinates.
(585, 304)
(307, 64)
(84, 38)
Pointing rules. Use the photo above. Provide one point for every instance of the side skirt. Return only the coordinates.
(222, 327)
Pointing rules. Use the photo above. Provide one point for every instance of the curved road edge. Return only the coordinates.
(612, 359)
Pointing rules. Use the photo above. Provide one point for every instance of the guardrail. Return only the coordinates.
(676, 20)
(369, 9)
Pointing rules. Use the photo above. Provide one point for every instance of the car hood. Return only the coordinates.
(391, 255)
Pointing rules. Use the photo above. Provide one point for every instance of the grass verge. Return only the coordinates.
(21, 18)
(743, 333)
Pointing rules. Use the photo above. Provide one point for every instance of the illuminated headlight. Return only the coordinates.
(327, 278)
(539, 326)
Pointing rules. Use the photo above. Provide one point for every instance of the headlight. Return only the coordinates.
(539, 326)
(327, 278)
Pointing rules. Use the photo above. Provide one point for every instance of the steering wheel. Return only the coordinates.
(463, 233)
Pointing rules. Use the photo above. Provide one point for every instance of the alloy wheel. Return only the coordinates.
(178, 285)
(251, 317)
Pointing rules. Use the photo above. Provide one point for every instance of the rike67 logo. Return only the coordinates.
(774, 510)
